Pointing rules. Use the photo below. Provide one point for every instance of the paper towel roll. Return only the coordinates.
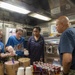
(20, 71)
(28, 71)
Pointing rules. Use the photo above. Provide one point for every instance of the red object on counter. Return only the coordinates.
(46, 69)
(34, 67)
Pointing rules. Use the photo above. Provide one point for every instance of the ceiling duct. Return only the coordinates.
(72, 2)
(55, 8)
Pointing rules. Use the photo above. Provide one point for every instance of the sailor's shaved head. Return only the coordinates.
(63, 21)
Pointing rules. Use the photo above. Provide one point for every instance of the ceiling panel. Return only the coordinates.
(41, 7)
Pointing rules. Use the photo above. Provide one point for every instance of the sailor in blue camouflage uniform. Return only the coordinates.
(66, 45)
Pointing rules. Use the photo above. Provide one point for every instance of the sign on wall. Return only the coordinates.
(53, 29)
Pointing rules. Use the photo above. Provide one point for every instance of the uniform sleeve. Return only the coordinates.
(10, 42)
(66, 43)
(25, 43)
(2, 51)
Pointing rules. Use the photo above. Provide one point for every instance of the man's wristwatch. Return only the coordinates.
(65, 73)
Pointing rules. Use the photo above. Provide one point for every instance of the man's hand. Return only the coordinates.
(26, 52)
(10, 49)
(4, 55)
(65, 74)
(11, 54)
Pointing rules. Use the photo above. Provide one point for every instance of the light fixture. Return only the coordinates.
(35, 15)
(13, 8)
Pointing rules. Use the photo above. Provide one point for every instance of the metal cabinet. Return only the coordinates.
(51, 50)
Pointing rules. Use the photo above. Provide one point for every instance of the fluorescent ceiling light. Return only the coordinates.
(35, 15)
(13, 8)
